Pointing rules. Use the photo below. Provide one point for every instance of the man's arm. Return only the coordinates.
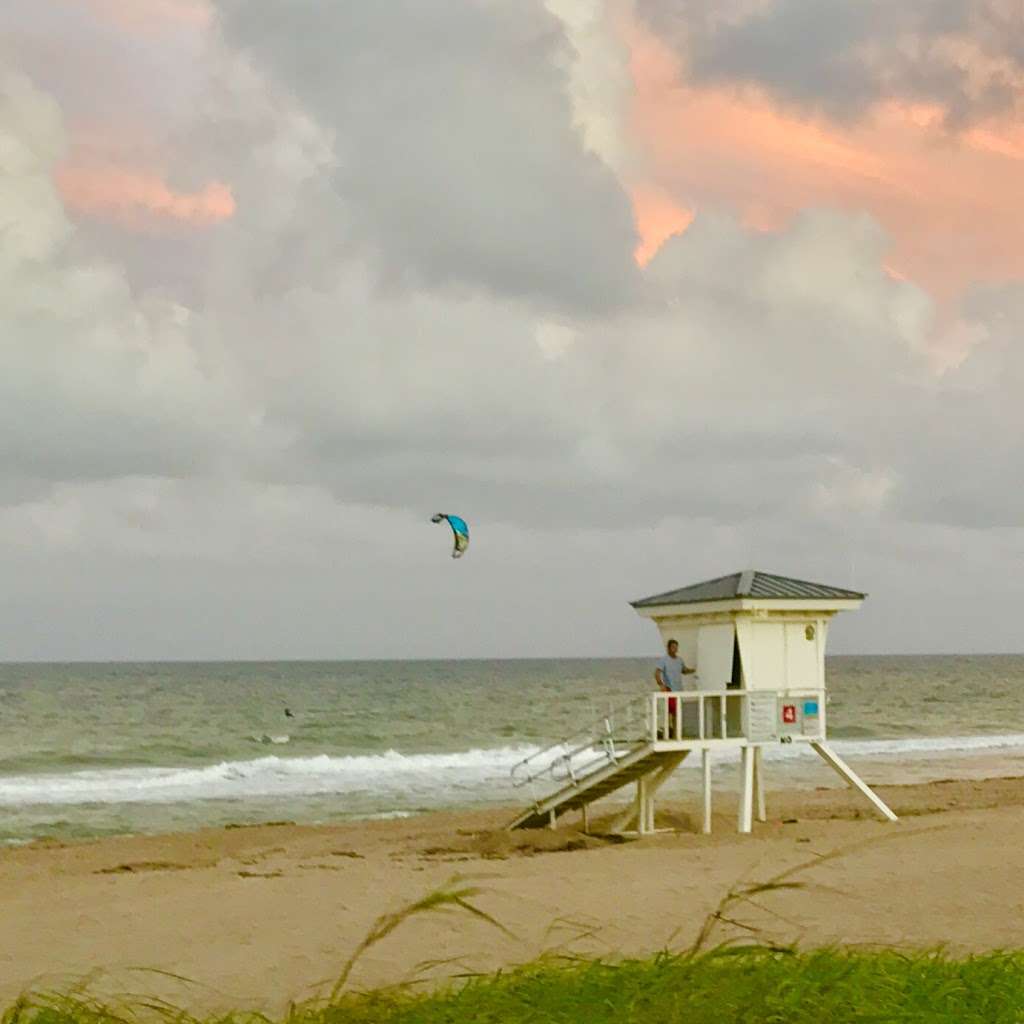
(659, 678)
(688, 671)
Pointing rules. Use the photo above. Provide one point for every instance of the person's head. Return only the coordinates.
(672, 647)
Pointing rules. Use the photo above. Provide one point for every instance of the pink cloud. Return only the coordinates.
(141, 199)
(950, 203)
(658, 218)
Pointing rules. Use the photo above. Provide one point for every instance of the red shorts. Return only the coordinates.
(672, 704)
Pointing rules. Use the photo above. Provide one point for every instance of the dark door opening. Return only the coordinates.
(736, 679)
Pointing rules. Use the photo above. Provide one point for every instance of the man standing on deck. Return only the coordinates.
(669, 677)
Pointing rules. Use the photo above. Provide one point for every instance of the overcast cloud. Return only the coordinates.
(377, 261)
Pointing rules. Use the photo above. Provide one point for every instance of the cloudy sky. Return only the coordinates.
(647, 290)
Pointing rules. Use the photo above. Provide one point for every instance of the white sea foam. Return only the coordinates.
(909, 749)
(916, 747)
(427, 779)
(414, 774)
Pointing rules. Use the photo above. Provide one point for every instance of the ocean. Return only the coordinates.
(103, 749)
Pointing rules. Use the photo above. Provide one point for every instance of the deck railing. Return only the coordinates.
(729, 714)
(684, 719)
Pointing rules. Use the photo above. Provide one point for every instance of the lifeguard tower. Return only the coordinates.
(757, 642)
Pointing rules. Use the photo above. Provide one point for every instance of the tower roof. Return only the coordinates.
(760, 586)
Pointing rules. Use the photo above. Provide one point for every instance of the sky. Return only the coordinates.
(648, 291)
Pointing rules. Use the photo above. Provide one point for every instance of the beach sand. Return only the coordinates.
(258, 916)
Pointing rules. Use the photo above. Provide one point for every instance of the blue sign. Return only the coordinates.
(810, 707)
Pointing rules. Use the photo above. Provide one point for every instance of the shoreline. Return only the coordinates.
(962, 758)
(116, 803)
(260, 915)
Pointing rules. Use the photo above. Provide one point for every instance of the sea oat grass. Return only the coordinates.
(749, 984)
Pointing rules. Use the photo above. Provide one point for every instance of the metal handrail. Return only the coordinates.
(599, 733)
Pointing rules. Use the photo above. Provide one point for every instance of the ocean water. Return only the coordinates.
(116, 748)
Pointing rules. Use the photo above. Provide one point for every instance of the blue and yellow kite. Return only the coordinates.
(459, 529)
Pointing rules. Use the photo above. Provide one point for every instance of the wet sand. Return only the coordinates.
(258, 916)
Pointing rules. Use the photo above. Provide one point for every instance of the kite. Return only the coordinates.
(460, 532)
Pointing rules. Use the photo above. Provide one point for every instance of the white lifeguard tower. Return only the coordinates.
(757, 642)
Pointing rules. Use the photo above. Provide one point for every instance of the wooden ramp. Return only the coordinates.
(630, 766)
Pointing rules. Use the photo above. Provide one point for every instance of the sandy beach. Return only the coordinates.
(258, 916)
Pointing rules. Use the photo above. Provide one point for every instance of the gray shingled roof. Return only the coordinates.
(760, 585)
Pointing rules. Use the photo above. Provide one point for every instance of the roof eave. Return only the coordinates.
(738, 604)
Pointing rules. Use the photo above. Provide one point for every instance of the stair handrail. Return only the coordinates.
(598, 736)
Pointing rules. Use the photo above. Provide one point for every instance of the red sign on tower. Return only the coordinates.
(789, 713)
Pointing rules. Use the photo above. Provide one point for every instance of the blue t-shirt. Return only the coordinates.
(672, 672)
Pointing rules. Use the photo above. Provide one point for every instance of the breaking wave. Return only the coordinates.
(420, 774)
(392, 777)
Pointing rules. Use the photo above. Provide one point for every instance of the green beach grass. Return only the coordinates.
(748, 984)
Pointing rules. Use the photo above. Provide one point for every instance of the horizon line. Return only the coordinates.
(465, 658)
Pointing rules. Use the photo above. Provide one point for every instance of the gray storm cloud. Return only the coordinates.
(839, 58)
(95, 381)
(462, 168)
